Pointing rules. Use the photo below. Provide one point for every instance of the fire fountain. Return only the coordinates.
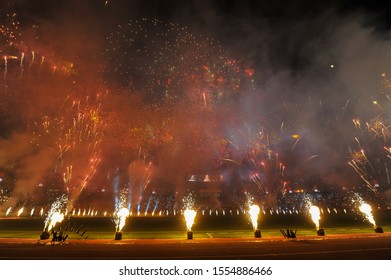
(315, 215)
(189, 217)
(366, 209)
(120, 219)
(254, 212)
(54, 216)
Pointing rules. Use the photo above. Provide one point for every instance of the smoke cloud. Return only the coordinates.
(92, 91)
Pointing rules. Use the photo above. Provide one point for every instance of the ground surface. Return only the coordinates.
(215, 237)
(330, 247)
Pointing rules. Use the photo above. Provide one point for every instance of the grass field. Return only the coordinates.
(235, 226)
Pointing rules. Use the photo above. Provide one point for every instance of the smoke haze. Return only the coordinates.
(165, 89)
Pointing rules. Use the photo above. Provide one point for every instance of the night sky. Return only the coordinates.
(141, 95)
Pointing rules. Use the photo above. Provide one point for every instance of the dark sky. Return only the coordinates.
(189, 10)
(232, 22)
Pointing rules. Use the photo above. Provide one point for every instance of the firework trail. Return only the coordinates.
(171, 62)
(371, 159)
(62, 131)
(140, 173)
